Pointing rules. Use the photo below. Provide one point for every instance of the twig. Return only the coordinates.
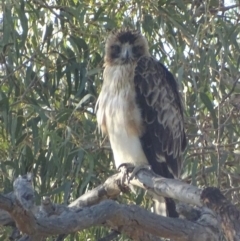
(230, 92)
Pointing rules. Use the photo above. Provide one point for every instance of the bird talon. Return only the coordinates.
(125, 169)
(129, 171)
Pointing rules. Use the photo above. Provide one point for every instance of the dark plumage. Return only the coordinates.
(157, 96)
(163, 140)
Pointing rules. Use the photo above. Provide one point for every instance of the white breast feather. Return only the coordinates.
(117, 111)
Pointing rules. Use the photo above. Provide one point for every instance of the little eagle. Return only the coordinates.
(140, 109)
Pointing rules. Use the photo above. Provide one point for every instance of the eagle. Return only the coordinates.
(140, 109)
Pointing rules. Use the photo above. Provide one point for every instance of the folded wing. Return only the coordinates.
(157, 95)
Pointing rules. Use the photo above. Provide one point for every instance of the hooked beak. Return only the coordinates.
(126, 54)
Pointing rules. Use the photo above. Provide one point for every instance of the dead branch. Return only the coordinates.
(93, 209)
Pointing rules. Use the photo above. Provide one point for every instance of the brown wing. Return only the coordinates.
(158, 98)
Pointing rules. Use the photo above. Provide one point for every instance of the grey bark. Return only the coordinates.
(96, 208)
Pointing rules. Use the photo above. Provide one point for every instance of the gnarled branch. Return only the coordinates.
(93, 209)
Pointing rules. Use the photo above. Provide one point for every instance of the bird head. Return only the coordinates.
(124, 47)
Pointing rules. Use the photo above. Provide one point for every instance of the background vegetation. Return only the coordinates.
(51, 56)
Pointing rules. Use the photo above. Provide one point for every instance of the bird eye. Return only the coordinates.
(116, 48)
(136, 50)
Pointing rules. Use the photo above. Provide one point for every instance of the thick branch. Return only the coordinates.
(137, 223)
(132, 220)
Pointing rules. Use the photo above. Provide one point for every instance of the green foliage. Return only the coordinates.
(51, 56)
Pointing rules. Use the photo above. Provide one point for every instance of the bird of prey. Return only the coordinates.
(140, 109)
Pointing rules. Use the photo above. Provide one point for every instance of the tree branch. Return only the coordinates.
(173, 188)
(92, 209)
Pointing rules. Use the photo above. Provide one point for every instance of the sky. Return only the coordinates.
(229, 2)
